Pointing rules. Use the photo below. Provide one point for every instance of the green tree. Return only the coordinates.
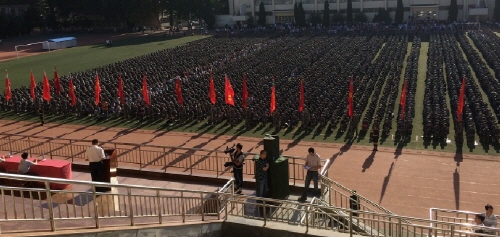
(315, 18)
(337, 18)
(262, 14)
(453, 11)
(296, 13)
(302, 15)
(360, 17)
(326, 14)
(496, 11)
(400, 11)
(349, 11)
(382, 16)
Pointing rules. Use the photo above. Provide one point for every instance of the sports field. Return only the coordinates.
(87, 57)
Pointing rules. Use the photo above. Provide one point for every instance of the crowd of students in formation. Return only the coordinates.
(324, 59)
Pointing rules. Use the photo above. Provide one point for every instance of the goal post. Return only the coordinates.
(30, 44)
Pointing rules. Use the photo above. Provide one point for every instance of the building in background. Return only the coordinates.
(14, 7)
(281, 11)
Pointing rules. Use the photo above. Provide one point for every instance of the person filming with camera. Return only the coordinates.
(238, 158)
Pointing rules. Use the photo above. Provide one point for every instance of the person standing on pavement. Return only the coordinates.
(238, 159)
(94, 155)
(261, 175)
(313, 164)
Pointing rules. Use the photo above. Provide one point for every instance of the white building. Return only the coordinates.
(282, 10)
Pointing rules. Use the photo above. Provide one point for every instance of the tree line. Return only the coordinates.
(83, 14)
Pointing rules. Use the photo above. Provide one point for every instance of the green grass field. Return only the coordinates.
(82, 58)
(86, 57)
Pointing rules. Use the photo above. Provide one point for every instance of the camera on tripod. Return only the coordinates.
(230, 151)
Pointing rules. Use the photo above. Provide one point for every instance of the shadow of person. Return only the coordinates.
(368, 162)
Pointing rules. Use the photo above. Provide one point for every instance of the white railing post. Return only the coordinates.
(307, 219)
(96, 209)
(182, 207)
(71, 150)
(10, 145)
(217, 164)
(50, 149)
(131, 208)
(159, 202)
(140, 158)
(202, 207)
(350, 223)
(400, 228)
(50, 205)
(264, 212)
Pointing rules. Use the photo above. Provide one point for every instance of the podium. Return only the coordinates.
(110, 166)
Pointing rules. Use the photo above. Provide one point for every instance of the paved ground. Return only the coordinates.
(407, 182)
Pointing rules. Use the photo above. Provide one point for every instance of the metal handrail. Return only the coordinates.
(139, 153)
(330, 182)
(231, 201)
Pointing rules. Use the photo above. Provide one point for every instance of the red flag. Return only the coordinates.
(402, 102)
(301, 96)
(178, 91)
(229, 92)
(245, 91)
(121, 93)
(273, 98)
(57, 82)
(8, 93)
(97, 89)
(33, 86)
(350, 98)
(71, 91)
(145, 92)
(46, 87)
(461, 101)
(211, 92)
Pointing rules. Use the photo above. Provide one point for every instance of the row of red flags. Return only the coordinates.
(228, 92)
(460, 106)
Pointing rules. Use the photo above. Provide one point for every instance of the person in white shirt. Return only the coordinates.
(94, 155)
(490, 220)
(25, 164)
(313, 164)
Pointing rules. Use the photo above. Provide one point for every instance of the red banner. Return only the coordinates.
(461, 101)
(301, 96)
(46, 87)
(245, 92)
(228, 92)
(178, 91)
(121, 92)
(351, 97)
(71, 91)
(211, 92)
(8, 93)
(32, 86)
(57, 81)
(145, 92)
(97, 89)
(402, 102)
(273, 98)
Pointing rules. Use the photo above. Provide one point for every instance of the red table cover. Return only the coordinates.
(48, 168)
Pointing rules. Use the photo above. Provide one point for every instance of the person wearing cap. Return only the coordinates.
(490, 220)
(25, 164)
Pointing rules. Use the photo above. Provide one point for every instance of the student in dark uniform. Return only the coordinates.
(40, 115)
(375, 136)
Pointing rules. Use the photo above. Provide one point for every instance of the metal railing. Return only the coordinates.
(457, 216)
(166, 158)
(134, 204)
(337, 195)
